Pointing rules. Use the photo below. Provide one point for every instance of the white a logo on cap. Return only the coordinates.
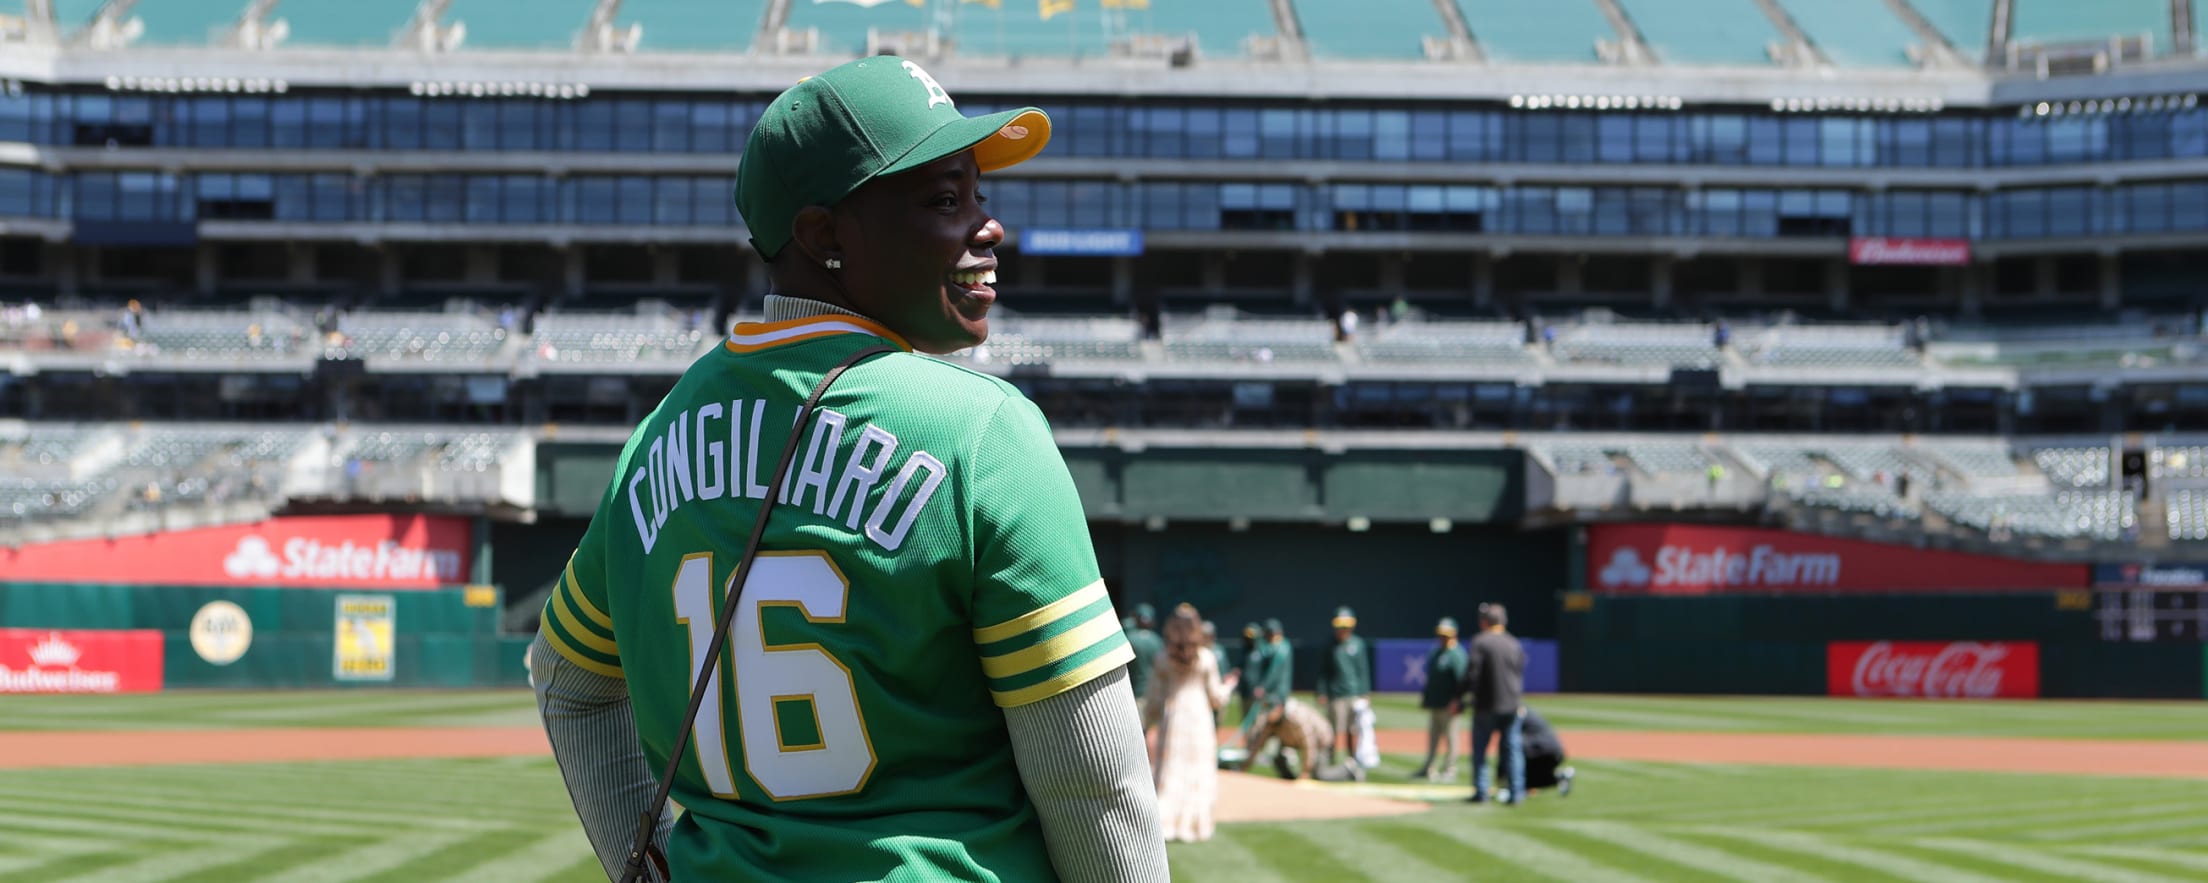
(936, 95)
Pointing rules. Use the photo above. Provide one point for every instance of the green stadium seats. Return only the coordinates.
(1732, 32)
(1514, 30)
(1854, 35)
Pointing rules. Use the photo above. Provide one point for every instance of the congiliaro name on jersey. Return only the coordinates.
(711, 452)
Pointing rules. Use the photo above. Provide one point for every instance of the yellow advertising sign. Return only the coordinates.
(366, 633)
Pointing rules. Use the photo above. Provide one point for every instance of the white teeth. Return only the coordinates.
(974, 277)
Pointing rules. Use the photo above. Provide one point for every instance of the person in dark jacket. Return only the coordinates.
(1345, 679)
(1444, 681)
(1495, 684)
(1544, 755)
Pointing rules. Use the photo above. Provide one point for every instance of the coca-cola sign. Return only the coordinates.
(1895, 250)
(1695, 559)
(1933, 669)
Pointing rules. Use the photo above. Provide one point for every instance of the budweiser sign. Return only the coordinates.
(1694, 559)
(1891, 250)
(1933, 670)
(57, 661)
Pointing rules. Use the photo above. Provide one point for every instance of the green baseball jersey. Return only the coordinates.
(1346, 672)
(927, 564)
(1444, 676)
(1280, 670)
(1147, 645)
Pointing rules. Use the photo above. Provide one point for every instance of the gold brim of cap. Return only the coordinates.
(1345, 622)
(1015, 142)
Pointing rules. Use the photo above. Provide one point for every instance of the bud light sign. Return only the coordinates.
(1933, 670)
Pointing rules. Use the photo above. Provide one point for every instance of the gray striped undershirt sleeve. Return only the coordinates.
(586, 717)
(1082, 759)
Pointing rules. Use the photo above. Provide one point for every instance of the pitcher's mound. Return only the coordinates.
(1247, 798)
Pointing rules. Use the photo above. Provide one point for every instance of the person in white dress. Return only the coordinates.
(1182, 702)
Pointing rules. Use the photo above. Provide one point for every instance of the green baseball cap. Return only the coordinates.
(861, 120)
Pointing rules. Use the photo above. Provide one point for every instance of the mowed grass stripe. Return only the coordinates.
(159, 866)
(246, 809)
(2143, 865)
(1874, 856)
(463, 855)
(1713, 862)
(1548, 851)
(69, 855)
(1997, 870)
(2188, 817)
(1749, 844)
(1220, 858)
(533, 861)
(2046, 861)
(1290, 854)
(2000, 822)
(1373, 854)
(221, 817)
(75, 863)
(2191, 861)
(1562, 844)
(1443, 854)
(375, 857)
(300, 851)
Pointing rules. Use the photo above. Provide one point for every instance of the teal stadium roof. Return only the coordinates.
(1369, 28)
(1731, 32)
(1561, 31)
(1852, 36)
(1852, 33)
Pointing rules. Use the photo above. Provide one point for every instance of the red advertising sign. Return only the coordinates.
(1893, 250)
(1692, 559)
(1933, 670)
(59, 661)
(339, 551)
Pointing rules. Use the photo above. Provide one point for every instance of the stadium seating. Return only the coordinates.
(2187, 513)
(2178, 461)
(1974, 459)
(474, 451)
(1852, 34)
(1626, 344)
(1776, 458)
(1865, 461)
(1667, 458)
(2066, 21)
(27, 499)
(1263, 341)
(1513, 30)
(1578, 458)
(1019, 340)
(1837, 347)
(1703, 31)
(1369, 29)
(393, 447)
(2095, 515)
(500, 24)
(843, 26)
(429, 337)
(1851, 499)
(221, 333)
(1963, 22)
(694, 25)
(1452, 342)
(600, 338)
(2074, 467)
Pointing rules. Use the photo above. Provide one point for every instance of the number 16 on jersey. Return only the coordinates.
(770, 677)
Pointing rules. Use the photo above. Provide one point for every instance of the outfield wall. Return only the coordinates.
(234, 637)
(1949, 645)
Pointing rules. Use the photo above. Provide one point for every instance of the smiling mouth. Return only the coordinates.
(970, 279)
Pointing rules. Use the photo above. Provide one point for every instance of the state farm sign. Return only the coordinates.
(1685, 559)
(1933, 670)
(61, 661)
(1892, 250)
(346, 551)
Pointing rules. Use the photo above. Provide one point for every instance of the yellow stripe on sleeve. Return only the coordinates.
(1041, 616)
(583, 604)
(1119, 656)
(589, 638)
(570, 654)
(1030, 658)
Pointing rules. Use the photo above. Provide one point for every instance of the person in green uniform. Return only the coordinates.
(1345, 679)
(1251, 663)
(1444, 681)
(925, 678)
(1280, 667)
(1142, 635)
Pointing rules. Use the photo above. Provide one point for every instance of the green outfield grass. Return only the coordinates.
(508, 819)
